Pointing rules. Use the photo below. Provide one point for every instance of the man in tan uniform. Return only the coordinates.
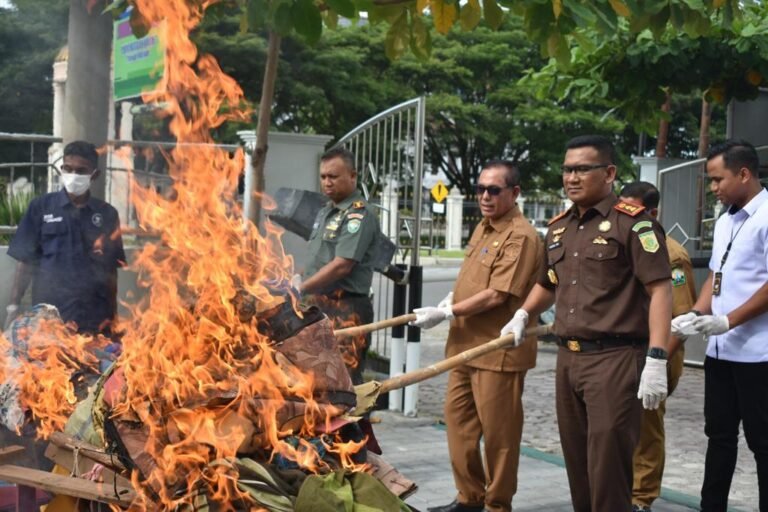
(648, 460)
(484, 396)
(607, 271)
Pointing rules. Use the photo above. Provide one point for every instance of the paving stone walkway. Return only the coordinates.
(419, 449)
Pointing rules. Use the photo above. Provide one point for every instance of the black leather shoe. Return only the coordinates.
(455, 506)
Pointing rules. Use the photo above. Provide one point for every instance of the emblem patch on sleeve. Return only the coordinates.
(678, 277)
(642, 225)
(649, 241)
(353, 226)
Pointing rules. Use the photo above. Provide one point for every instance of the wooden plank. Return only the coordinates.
(69, 486)
(95, 453)
(66, 459)
(9, 453)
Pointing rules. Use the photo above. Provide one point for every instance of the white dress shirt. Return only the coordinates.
(744, 272)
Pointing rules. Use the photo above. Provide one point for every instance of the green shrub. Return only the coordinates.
(11, 211)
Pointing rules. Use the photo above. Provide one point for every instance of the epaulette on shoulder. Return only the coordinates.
(358, 204)
(630, 209)
(558, 217)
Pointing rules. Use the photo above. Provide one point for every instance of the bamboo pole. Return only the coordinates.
(359, 330)
(430, 371)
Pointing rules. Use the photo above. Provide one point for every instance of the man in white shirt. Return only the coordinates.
(733, 311)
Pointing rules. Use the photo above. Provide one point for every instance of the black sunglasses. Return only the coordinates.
(581, 170)
(492, 190)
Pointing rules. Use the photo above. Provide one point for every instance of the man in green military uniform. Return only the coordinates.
(339, 272)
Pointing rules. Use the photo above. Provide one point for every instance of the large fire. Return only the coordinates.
(198, 380)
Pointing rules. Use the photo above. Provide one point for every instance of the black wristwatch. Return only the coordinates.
(695, 312)
(657, 353)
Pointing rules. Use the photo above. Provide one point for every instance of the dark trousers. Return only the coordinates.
(598, 415)
(346, 311)
(733, 393)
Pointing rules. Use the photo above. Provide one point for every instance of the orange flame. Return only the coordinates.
(52, 353)
(187, 344)
(196, 374)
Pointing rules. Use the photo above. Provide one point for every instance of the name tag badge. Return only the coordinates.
(717, 283)
(554, 245)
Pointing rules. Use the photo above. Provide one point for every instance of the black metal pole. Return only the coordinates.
(415, 282)
(399, 297)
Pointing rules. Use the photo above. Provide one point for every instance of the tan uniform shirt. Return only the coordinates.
(503, 255)
(598, 265)
(683, 286)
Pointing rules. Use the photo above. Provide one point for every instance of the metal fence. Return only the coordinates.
(29, 166)
(688, 209)
(389, 152)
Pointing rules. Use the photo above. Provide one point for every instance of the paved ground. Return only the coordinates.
(418, 448)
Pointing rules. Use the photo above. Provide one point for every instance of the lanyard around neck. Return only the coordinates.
(730, 243)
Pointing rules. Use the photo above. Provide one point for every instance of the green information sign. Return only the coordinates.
(138, 63)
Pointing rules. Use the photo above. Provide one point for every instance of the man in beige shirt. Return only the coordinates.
(484, 396)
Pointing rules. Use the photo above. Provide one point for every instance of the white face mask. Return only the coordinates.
(76, 184)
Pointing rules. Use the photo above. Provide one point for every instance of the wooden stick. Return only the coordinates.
(87, 450)
(69, 486)
(375, 326)
(421, 374)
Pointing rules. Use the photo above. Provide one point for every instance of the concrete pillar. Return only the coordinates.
(120, 161)
(249, 140)
(87, 104)
(650, 167)
(454, 219)
(390, 206)
(59, 97)
(59, 93)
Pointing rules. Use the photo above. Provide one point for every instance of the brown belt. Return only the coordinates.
(584, 345)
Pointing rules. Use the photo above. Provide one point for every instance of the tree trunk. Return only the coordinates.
(259, 155)
(87, 100)
(706, 118)
(663, 138)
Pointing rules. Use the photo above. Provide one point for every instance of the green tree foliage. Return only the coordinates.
(633, 70)
(476, 109)
(551, 24)
(31, 34)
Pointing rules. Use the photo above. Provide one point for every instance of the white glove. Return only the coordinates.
(517, 326)
(711, 325)
(430, 316)
(653, 383)
(296, 282)
(682, 325)
(447, 301)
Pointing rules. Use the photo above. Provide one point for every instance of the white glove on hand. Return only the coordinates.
(296, 282)
(653, 383)
(11, 310)
(447, 301)
(428, 317)
(711, 325)
(682, 325)
(516, 326)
